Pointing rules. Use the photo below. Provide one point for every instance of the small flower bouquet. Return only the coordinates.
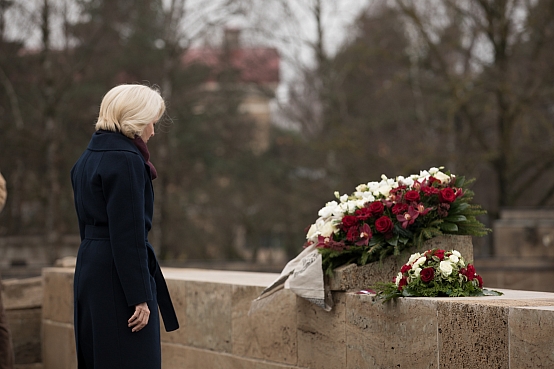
(435, 273)
(384, 218)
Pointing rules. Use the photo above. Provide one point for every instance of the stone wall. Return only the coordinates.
(219, 330)
(22, 301)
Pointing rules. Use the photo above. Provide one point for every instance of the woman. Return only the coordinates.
(118, 283)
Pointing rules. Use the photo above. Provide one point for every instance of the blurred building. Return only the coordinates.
(257, 78)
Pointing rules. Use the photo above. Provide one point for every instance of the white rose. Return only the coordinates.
(442, 177)
(327, 229)
(433, 170)
(419, 261)
(445, 267)
(413, 258)
(454, 258)
(368, 197)
(409, 182)
(417, 272)
(344, 198)
(362, 187)
(384, 189)
(457, 253)
(328, 210)
(311, 232)
(398, 278)
(424, 174)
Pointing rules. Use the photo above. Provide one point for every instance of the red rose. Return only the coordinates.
(447, 195)
(402, 283)
(433, 180)
(399, 209)
(480, 280)
(470, 272)
(349, 221)
(405, 268)
(439, 254)
(363, 214)
(427, 274)
(384, 224)
(411, 196)
(376, 208)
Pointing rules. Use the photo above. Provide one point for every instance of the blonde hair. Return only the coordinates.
(129, 109)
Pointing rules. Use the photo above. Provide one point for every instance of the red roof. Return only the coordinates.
(256, 65)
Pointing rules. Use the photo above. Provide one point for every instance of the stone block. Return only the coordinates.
(58, 295)
(207, 322)
(531, 337)
(25, 326)
(58, 346)
(177, 291)
(177, 356)
(472, 335)
(352, 277)
(268, 331)
(400, 333)
(321, 334)
(22, 293)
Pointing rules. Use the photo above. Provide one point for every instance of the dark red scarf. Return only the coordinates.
(141, 145)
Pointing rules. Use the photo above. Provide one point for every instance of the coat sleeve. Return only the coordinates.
(123, 183)
(81, 223)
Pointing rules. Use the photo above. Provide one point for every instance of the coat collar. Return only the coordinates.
(111, 141)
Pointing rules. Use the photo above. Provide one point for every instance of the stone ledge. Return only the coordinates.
(289, 333)
(22, 293)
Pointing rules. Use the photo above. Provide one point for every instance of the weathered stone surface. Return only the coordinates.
(473, 336)
(58, 346)
(531, 337)
(352, 277)
(25, 326)
(177, 356)
(400, 334)
(58, 295)
(268, 330)
(22, 293)
(208, 315)
(321, 334)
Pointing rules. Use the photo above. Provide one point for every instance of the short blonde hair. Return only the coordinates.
(129, 109)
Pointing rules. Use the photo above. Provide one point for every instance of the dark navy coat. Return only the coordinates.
(116, 266)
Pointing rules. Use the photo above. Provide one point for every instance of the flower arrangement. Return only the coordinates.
(384, 218)
(435, 273)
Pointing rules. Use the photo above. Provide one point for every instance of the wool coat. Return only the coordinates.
(116, 265)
